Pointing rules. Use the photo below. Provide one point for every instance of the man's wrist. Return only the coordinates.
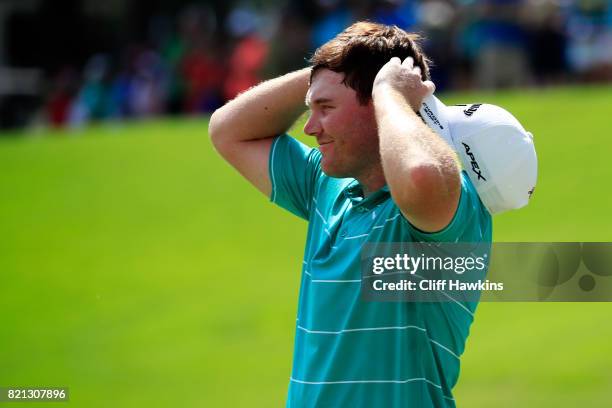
(387, 98)
(383, 88)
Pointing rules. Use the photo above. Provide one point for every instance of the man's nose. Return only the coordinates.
(312, 126)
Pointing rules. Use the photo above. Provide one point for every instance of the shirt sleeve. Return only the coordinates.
(294, 170)
(471, 222)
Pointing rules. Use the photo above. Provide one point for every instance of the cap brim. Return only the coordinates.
(433, 112)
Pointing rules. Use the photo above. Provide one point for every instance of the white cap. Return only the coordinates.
(496, 151)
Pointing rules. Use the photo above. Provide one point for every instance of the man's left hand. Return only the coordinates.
(404, 78)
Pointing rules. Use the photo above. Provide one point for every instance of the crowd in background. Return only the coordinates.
(192, 63)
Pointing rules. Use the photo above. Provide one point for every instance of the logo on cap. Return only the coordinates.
(530, 192)
(473, 162)
(431, 116)
(470, 111)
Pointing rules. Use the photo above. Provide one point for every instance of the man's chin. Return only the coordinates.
(333, 171)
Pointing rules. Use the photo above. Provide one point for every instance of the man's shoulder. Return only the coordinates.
(471, 222)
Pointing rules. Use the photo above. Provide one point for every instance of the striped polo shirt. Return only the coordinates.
(350, 353)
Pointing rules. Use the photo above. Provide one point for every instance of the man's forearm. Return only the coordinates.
(263, 111)
(407, 143)
(420, 168)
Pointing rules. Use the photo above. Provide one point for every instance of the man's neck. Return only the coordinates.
(372, 180)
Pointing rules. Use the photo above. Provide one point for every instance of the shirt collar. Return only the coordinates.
(354, 192)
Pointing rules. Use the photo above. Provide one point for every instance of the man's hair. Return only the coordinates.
(361, 50)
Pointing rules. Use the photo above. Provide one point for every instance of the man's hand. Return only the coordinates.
(421, 170)
(404, 78)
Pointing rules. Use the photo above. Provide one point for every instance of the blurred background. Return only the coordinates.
(140, 270)
(71, 62)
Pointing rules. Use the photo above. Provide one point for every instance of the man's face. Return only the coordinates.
(345, 130)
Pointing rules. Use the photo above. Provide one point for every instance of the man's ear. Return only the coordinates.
(369, 104)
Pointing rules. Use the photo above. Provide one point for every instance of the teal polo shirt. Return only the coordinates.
(350, 353)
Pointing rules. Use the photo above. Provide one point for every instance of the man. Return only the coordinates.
(379, 175)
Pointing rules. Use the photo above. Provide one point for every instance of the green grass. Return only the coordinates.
(138, 269)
